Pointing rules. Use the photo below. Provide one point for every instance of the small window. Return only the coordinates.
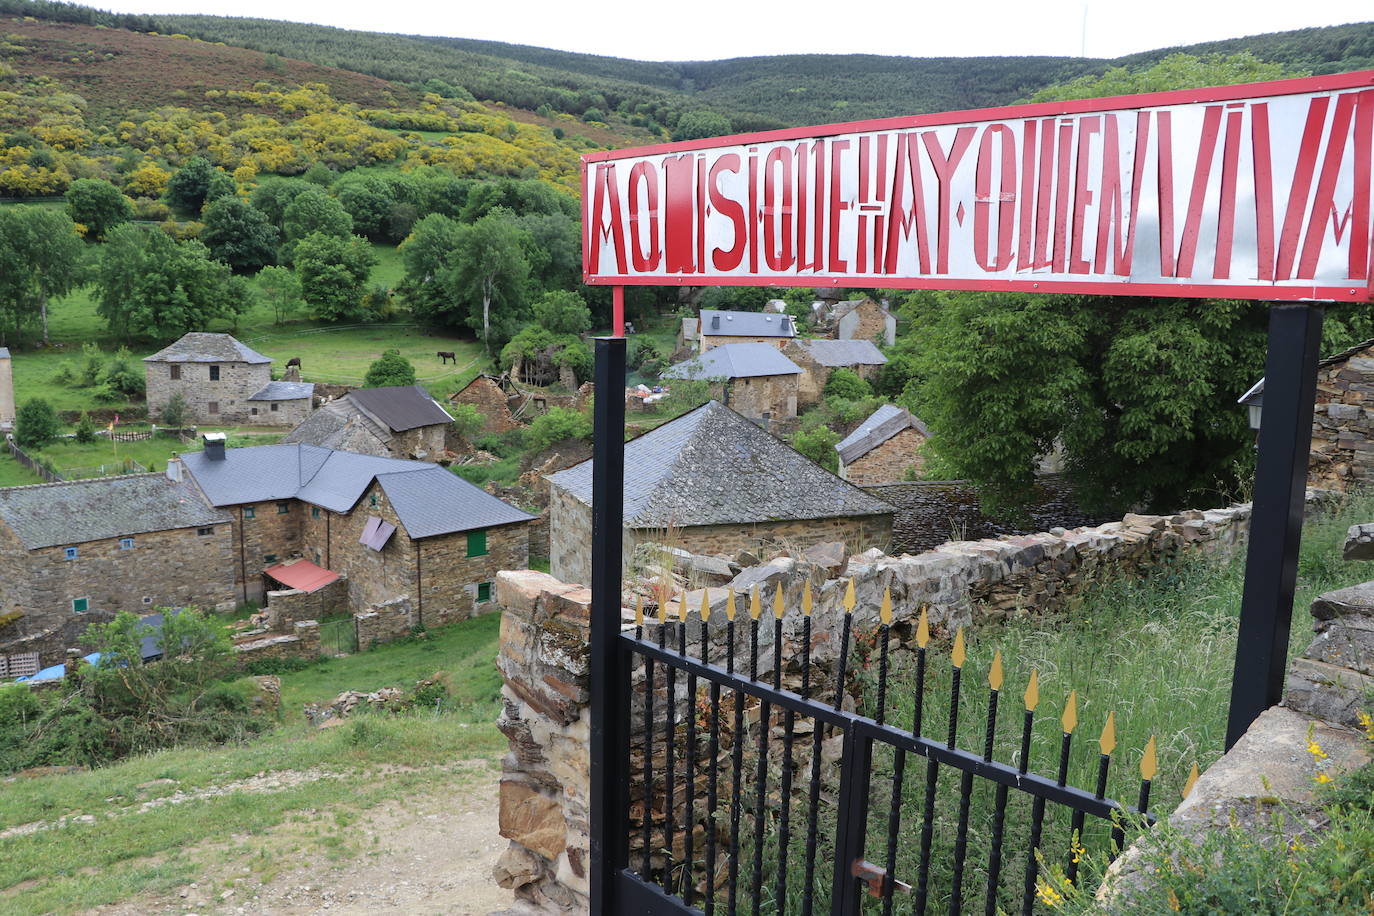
(250, 512)
(214, 373)
(147, 599)
(212, 407)
(255, 411)
(175, 373)
(80, 605)
(70, 553)
(275, 405)
(314, 511)
(283, 508)
(483, 592)
(269, 558)
(126, 543)
(205, 532)
(477, 543)
(373, 500)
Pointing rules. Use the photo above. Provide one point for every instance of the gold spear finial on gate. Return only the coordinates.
(779, 606)
(923, 628)
(730, 606)
(1192, 781)
(705, 605)
(958, 655)
(1070, 718)
(806, 598)
(639, 610)
(849, 599)
(663, 609)
(1108, 740)
(885, 612)
(1033, 691)
(1149, 762)
(682, 605)
(995, 674)
(754, 607)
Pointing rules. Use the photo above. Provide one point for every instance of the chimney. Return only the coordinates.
(214, 446)
(715, 322)
(174, 468)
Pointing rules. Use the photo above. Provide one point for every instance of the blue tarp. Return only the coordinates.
(56, 672)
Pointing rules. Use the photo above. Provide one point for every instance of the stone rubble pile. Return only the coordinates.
(343, 705)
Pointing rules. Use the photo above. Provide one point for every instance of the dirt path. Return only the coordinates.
(422, 856)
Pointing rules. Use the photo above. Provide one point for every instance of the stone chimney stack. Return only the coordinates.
(174, 469)
(72, 662)
(6, 391)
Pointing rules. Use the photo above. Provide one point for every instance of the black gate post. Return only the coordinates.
(610, 689)
(856, 766)
(1271, 562)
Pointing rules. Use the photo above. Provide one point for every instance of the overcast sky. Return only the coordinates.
(713, 29)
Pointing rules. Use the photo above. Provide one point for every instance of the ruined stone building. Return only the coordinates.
(7, 412)
(1343, 422)
(208, 531)
(485, 393)
(713, 482)
(754, 379)
(855, 319)
(401, 421)
(223, 382)
(718, 328)
(818, 358)
(883, 448)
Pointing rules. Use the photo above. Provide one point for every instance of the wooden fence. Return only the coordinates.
(33, 464)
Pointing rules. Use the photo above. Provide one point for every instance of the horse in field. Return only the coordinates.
(445, 356)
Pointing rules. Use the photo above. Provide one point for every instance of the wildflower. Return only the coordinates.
(1323, 778)
(1047, 894)
(1367, 723)
(1173, 901)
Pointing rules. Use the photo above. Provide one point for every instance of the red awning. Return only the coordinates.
(301, 574)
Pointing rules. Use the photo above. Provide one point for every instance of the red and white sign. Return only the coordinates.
(1257, 191)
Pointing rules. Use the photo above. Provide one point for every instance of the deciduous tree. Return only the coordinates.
(390, 369)
(97, 205)
(41, 256)
(333, 272)
(238, 234)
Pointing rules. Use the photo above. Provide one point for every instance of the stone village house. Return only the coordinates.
(713, 482)
(818, 358)
(718, 328)
(883, 447)
(223, 382)
(754, 379)
(401, 421)
(208, 531)
(7, 413)
(1342, 454)
(855, 319)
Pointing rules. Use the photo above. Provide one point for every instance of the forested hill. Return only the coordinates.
(754, 92)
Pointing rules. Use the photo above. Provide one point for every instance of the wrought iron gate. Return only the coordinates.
(723, 785)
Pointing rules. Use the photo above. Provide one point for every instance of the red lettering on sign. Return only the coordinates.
(777, 214)
(1044, 197)
(1302, 184)
(645, 174)
(900, 219)
(944, 166)
(1023, 251)
(679, 176)
(703, 210)
(1264, 189)
(1359, 225)
(1202, 171)
(880, 196)
(819, 151)
(1165, 189)
(802, 262)
(1006, 196)
(607, 193)
(1063, 193)
(1226, 216)
(1082, 197)
(1324, 201)
(833, 261)
(1110, 210)
(731, 210)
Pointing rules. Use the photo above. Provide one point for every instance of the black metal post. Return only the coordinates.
(1271, 562)
(610, 665)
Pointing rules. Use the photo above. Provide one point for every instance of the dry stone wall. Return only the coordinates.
(285, 608)
(384, 623)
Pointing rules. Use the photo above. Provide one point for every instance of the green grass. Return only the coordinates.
(14, 474)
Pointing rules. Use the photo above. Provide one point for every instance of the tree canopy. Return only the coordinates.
(97, 205)
(239, 235)
(333, 272)
(391, 368)
(41, 256)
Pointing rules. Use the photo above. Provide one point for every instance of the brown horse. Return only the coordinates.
(445, 356)
(293, 361)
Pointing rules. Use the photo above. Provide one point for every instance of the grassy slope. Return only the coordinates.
(369, 761)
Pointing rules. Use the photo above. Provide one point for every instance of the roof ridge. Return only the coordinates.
(78, 480)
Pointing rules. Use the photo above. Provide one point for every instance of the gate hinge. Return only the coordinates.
(874, 875)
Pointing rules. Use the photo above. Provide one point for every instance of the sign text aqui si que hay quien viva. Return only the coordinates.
(1256, 191)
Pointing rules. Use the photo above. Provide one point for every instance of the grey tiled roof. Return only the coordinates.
(340, 425)
(432, 500)
(885, 422)
(737, 360)
(746, 324)
(199, 347)
(843, 352)
(49, 514)
(713, 467)
(285, 391)
(400, 407)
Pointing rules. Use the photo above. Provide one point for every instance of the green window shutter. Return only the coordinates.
(80, 605)
(477, 543)
(483, 592)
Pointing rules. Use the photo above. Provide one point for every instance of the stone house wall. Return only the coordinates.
(302, 641)
(888, 463)
(7, 413)
(384, 623)
(277, 413)
(811, 383)
(1343, 424)
(490, 400)
(374, 576)
(238, 381)
(775, 395)
(719, 340)
(423, 440)
(175, 568)
(287, 607)
(450, 578)
(867, 321)
(271, 536)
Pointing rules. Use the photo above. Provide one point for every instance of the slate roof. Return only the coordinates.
(285, 391)
(713, 467)
(400, 407)
(1255, 396)
(428, 499)
(746, 324)
(76, 511)
(737, 360)
(199, 347)
(836, 353)
(340, 425)
(885, 422)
